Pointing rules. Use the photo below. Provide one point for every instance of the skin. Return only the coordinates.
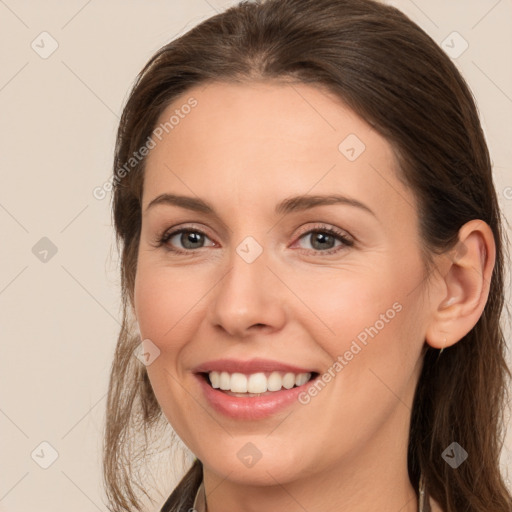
(244, 148)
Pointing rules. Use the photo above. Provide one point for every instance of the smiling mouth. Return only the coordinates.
(256, 384)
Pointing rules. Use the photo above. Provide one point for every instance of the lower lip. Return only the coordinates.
(251, 408)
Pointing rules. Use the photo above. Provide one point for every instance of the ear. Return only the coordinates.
(465, 277)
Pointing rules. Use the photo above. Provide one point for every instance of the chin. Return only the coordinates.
(256, 462)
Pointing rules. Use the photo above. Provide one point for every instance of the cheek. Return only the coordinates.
(369, 317)
(168, 306)
(343, 307)
(161, 310)
(149, 303)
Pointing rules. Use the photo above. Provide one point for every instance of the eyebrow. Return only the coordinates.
(288, 205)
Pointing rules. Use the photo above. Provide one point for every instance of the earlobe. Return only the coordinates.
(466, 281)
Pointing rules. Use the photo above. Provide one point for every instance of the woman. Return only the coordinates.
(368, 374)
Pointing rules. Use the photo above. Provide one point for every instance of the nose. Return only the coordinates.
(248, 299)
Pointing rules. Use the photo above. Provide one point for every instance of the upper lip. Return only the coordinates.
(251, 366)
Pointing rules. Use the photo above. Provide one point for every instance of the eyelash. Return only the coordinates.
(163, 238)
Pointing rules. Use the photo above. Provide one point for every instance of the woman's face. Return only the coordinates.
(253, 280)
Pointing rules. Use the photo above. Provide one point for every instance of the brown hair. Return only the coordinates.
(394, 76)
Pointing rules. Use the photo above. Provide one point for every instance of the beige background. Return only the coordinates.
(60, 318)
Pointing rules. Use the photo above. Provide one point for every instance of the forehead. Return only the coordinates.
(259, 141)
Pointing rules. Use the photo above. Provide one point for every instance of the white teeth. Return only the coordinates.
(302, 378)
(224, 381)
(238, 383)
(274, 382)
(256, 382)
(289, 380)
(215, 379)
